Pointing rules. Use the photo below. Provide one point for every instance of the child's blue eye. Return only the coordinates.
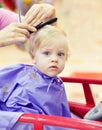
(61, 54)
(46, 53)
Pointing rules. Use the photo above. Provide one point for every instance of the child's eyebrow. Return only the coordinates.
(45, 49)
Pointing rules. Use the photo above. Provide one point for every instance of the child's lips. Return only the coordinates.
(54, 67)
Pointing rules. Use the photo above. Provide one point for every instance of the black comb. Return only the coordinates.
(42, 24)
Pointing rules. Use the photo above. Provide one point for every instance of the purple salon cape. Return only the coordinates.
(23, 88)
(8, 119)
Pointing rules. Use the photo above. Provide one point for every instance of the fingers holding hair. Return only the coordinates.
(39, 13)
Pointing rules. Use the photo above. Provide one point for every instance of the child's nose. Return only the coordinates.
(54, 58)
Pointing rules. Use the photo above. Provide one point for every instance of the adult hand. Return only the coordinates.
(15, 32)
(39, 13)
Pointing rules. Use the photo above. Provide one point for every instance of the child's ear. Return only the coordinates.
(33, 59)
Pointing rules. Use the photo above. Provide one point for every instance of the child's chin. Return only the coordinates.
(52, 75)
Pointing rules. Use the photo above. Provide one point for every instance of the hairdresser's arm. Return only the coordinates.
(7, 17)
(39, 13)
(15, 32)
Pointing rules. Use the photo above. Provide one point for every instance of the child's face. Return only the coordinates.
(50, 59)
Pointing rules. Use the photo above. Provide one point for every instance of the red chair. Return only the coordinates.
(79, 109)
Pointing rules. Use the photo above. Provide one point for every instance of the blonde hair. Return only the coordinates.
(44, 36)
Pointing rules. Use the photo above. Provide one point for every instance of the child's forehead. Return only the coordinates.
(54, 45)
(60, 41)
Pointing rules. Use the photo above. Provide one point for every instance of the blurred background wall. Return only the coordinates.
(82, 20)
